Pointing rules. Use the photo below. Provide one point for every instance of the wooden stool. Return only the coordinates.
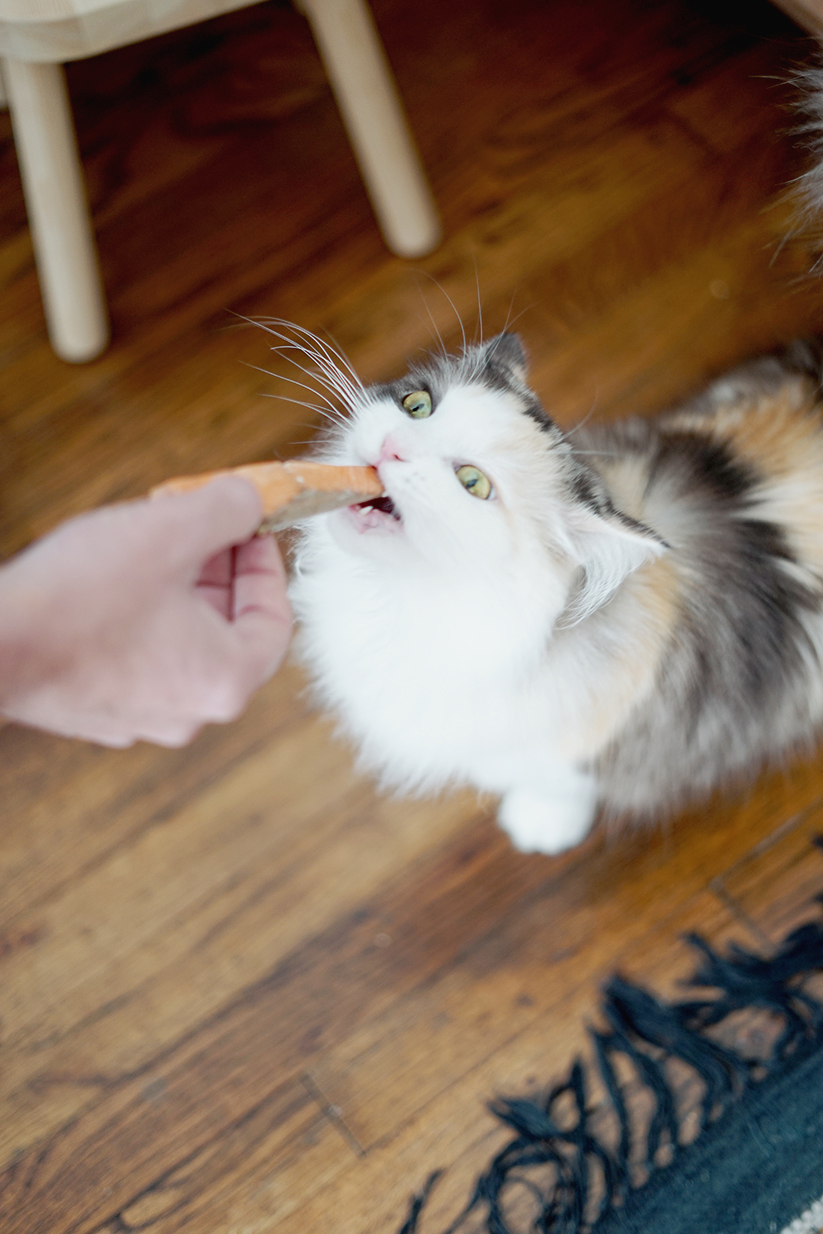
(37, 36)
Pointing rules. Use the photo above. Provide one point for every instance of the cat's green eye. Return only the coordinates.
(474, 481)
(418, 404)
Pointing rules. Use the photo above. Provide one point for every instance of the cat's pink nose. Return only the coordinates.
(391, 451)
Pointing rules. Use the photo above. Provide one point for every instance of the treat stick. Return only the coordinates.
(294, 490)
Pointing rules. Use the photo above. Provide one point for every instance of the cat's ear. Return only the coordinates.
(610, 546)
(507, 351)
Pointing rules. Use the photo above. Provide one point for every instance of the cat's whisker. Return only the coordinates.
(511, 321)
(582, 423)
(443, 292)
(307, 441)
(333, 412)
(594, 453)
(331, 372)
(474, 361)
(339, 354)
(284, 398)
(316, 350)
(507, 324)
(333, 408)
(441, 349)
(330, 376)
(333, 353)
(435, 328)
(344, 396)
(311, 389)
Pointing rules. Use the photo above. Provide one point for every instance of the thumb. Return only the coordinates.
(203, 521)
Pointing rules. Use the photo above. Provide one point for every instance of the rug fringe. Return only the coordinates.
(590, 1177)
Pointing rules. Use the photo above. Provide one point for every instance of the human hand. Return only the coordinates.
(144, 620)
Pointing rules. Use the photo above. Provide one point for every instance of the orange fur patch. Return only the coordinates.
(630, 673)
(781, 437)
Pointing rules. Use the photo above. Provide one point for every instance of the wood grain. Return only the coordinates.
(240, 991)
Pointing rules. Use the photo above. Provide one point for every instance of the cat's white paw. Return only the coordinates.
(545, 824)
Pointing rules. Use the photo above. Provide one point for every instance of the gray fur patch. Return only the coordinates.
(733, 685)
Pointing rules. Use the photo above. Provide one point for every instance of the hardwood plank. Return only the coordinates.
(213, 1059)
(284, 1139)
(778, 885)
(484, 992)
(261, 1162)
(446, 1134)
(500, 983)
(68, 807)
(228, 421)
(655, 363)
(454, 1132)
(207, 917)
(278, 1024)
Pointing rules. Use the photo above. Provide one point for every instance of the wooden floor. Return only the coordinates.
(241, 992)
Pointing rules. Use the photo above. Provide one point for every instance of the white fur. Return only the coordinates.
(446, 642)
(552, 817)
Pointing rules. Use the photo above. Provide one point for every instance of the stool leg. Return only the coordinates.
(373, 114)
(58, 212)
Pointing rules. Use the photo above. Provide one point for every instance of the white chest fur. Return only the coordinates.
(434, 677)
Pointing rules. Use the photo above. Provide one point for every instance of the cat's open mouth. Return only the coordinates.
(378, 512)
(384, 504)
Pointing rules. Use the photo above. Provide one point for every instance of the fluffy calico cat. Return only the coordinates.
(623, 617)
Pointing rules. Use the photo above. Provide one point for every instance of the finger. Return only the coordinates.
(262, 643)
(218, 598)
(218, 570)
(262, 613)
(200, 523)
(259, 579)
(215, 583)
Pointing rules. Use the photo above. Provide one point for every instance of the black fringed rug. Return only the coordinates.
(604, 1152)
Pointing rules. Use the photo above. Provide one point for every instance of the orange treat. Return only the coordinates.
(294, 490)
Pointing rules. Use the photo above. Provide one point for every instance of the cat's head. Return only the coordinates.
(479, 478)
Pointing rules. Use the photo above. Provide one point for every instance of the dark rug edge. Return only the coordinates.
(591, 1191)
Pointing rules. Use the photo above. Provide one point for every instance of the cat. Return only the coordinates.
(617, 619)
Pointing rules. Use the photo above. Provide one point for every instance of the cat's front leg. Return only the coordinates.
(551, 816)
